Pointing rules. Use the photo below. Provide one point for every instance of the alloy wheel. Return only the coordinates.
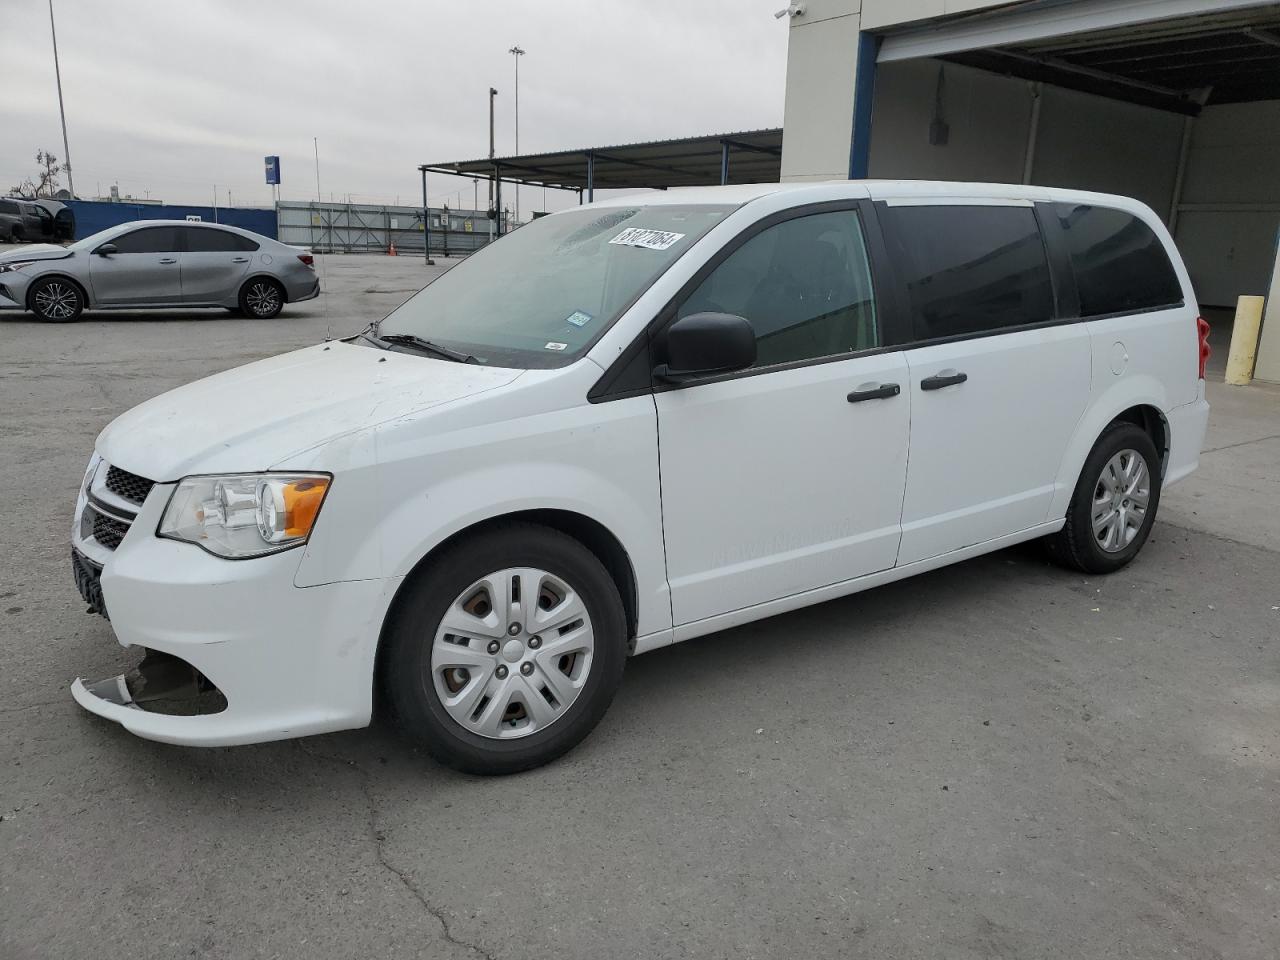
(263, 298)
(57, 300)
(512, 653)
(1120, 500)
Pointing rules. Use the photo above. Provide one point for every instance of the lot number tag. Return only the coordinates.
(650, 239)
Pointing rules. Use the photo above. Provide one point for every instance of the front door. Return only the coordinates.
(787, 476)
(214, 262)
(146, 268)
(997, 385)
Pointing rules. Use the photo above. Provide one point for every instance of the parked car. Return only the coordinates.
(59, 220)
(17, 221)
(465, 506)
(158, 263)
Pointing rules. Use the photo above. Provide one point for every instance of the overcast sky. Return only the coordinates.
(175, 97)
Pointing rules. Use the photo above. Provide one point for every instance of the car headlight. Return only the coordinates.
(244, 516)
(7, 267)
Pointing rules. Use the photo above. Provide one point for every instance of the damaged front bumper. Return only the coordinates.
(235, 651)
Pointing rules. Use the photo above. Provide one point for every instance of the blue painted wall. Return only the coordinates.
(92, 216)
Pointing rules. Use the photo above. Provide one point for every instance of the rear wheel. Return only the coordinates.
(1114, 504)
(262, 298)
(16, 235)
(56, 300)
(507, 650)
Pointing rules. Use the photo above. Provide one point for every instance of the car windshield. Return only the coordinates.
(545, 292)
(91, 241)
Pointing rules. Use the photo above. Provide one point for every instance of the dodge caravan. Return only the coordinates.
(626, 425)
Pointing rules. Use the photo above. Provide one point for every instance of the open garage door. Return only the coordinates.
(1176, 102)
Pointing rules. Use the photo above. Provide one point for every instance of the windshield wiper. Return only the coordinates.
(426, 346)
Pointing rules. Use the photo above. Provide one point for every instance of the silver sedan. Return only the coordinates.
(158, 263)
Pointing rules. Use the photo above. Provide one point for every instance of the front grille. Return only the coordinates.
(128, 485)
(88, 577)
(108, 531)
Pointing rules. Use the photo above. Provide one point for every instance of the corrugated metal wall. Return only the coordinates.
(93, 215)
(369, 228)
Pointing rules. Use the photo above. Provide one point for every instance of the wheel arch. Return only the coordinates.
(56, 275)
(263, 275)
(1137, 400)
(1153, 421)
(590, 533)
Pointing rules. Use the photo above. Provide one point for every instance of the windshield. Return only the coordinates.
(544, 293)
(93, 240)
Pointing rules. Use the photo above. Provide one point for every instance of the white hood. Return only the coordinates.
(255, 416)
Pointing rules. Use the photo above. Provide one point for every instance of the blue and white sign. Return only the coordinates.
(273, 169)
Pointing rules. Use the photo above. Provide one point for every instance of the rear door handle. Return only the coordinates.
(169, 260)
(239, 259)
(944, 379)
(880, 392)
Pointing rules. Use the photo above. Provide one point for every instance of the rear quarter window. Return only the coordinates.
(1120, 265)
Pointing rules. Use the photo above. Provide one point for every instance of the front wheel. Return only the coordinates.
(261, 298)
(56, 300)
(1114, 504)
(506, 651)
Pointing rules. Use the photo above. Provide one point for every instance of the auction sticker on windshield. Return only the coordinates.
(649, 239)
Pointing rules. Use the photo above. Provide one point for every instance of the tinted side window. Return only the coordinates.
(8, 206)
(970, 269)
(148, 240)
(209, 240)
(1119, 262)
(803, 284)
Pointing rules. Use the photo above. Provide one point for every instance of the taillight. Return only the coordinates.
(308, 259)
(1202, 328)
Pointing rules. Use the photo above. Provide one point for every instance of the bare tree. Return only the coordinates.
(46, 182)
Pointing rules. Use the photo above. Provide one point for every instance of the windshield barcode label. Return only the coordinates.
(650, 239)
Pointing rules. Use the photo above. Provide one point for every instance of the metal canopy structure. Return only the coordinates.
(1223, 52)
(753, 156)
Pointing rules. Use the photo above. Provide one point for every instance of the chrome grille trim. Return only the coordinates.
(107, 509)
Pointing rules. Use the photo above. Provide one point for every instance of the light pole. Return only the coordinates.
(495, 187)
(517, 53)
(57, 72)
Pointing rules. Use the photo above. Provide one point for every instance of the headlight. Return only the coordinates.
(245, 516)
(7, 267)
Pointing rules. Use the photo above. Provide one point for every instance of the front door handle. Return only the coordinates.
(879, 392)
(169, 260)
(943, 379)
(239, 259)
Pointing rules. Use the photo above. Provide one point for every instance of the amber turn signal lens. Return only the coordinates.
(302, 499)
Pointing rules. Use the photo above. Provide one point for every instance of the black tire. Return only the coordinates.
(411, 631)
(15, 235)
(55, 300)
(1076, 546)
(261, 298)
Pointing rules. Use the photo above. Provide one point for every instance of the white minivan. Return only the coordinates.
(626, 425)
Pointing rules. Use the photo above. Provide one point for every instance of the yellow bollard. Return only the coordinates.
(1244, 340)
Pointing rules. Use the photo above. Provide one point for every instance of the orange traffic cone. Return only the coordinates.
(391, 250)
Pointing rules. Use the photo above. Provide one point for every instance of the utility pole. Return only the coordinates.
(517, 53)
(57, 72)
(315, 142)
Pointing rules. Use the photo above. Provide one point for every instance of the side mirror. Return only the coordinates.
(702, 344)
(106, 250)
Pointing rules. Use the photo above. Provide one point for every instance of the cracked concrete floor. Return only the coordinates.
(1000, 759)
